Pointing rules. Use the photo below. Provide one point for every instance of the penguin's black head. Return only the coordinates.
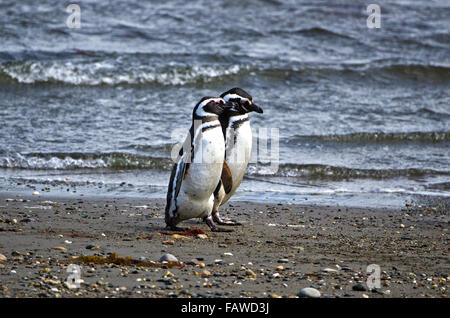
(242, 101)
(208, 106)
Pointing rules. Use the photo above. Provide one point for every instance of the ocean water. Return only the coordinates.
(363, 115)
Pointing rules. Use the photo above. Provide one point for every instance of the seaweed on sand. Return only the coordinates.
(122, 261)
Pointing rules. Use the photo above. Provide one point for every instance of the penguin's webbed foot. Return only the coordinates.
(171, 225)
(220, 221)
(214, 228)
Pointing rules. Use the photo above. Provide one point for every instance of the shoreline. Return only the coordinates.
(280, 249)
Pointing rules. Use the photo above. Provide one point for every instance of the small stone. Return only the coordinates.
(168, 258)
(359, 287)
(251, 273)
(92, 247)
(59, 248)
(206, 273)
(329, 270)
(35, 193)
(202, 236)
(3, 258)
(309, 292)
(169, 242)
(283, 260)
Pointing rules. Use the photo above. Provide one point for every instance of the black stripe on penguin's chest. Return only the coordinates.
(225, 123)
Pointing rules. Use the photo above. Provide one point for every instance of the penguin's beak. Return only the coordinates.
(255, 108)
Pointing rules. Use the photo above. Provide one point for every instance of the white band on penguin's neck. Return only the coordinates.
(200, 112)
(227, 97)
(237, 118)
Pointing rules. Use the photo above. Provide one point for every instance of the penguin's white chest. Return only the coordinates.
(238, 150)
(196, 194)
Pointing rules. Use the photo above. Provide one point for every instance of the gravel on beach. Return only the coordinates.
(118, 247)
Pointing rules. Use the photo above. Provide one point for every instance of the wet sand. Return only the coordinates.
(278, 250)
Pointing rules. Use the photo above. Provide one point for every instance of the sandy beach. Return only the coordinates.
(279, 250)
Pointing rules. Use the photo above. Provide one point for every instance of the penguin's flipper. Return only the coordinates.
(176, 177)
(179, 176)
(227, 178)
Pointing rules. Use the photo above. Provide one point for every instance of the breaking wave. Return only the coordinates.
(377, 137)
(72, 161)
(106, 72)
(327, 172)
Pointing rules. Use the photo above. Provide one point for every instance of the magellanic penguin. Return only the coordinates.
(199, 167)
(238, 146)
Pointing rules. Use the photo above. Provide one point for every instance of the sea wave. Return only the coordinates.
(100, 68)
(375, 137)
(328, 172)
(72, 161)
(106, 72)
(127, 161)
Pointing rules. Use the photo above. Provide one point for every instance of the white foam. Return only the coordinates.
(107, 73)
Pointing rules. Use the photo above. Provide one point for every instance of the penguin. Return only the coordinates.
(237, 133)
(199, 166)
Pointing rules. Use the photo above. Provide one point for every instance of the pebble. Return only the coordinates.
(59, 248)
(283, 260)
(92, 247)
(309, 292)
(359, 287)
(251, 273)
(168, 258)
(35, 193)
(329, 270)
(3, 258)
